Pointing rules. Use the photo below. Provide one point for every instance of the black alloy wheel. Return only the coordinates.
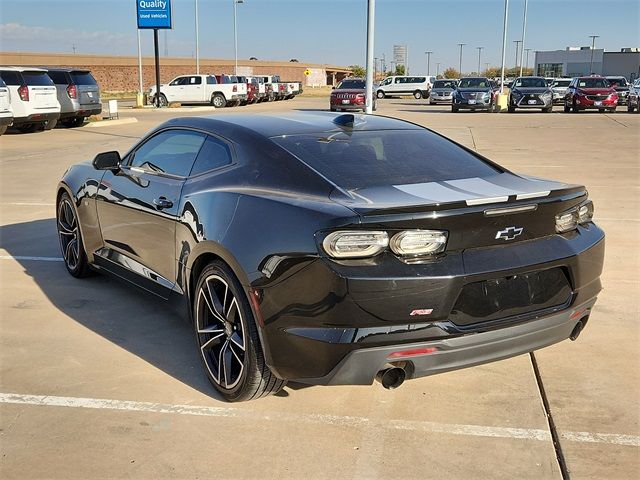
(75, 259)
(227, 337)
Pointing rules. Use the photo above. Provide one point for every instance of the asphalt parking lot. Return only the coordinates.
(98, 380)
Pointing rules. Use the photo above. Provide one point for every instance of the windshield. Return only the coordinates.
(593, 83)
(363, 159)
(358, 84)
(561, 83)
(532, 82)
(474, 83)
(444, 84)
(617, 82)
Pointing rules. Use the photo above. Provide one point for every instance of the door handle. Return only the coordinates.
(162, 202)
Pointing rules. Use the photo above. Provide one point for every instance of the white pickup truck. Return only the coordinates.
(279, 88)
(199, 89)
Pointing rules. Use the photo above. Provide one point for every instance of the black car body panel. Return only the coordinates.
(530, 92)
(473, 94)
(266, 212)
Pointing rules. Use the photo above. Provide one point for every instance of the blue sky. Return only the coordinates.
(323, 31)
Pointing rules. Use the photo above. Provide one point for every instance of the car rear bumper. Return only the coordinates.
(338, 323)
(6, 120)
(83, 111)
(36, 118)
(429, 358)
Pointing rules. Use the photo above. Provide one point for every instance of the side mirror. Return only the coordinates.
(107, 161)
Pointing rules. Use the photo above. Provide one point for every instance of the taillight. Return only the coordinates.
(235, 88)
(72, 91)
(23, 91)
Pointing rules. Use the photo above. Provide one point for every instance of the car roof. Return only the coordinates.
(297, 123)
(22, 69)
(67, 69)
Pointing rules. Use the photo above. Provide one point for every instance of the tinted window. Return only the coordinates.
(618, 82)
(357, 84)
(195, 80)
(214, 154)
(83, 78)
(172, 152)
(180, 81)
(593, 83)
(2, 84)
(11, 78)
(531, 82)
(444, 84)
(474, 83)
(211, 80)
(364, 159)
(36, 78)
(59, 78)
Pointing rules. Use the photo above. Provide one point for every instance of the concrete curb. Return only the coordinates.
(111, 123)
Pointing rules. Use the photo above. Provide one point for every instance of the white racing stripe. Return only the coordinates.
(34, 259)
(319, 418)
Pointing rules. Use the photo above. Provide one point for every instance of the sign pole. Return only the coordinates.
(157, 57)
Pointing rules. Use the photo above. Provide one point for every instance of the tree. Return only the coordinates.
(358, 71)
(400, 70)
(451, 73)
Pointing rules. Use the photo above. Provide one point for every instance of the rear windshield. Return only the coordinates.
(358, 84)
(363, 159)
(531, 82)
(2, 84)
(593, 83)
(444, 84)
(474, 83)
(36, 78)
(83, 78)
(59, 78)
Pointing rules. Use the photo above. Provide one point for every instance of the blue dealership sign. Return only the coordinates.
(154, 13)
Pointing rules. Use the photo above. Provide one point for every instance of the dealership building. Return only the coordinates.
(576, 61)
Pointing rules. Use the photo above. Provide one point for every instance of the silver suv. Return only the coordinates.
(78, 94)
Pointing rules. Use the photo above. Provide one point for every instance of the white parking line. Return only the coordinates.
(28, 204)
(34, 259)
(319, 418)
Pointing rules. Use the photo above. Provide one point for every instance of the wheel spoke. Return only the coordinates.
(208, 343)
(234, 353)
(64, 229)
(207, 299)
(227, 359)
(237, 339)
(67, 252)
(233, 304)
(214, 303)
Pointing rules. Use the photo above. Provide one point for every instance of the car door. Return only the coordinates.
(138, 208)
(175, 90)
(193, 89)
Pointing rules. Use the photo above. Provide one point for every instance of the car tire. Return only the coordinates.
(70, 237)
(547, 109)
(566, 107)
(3, 129)
(332, 109)
(511, 108)
(227, 337)
(575, 108)
(74, 122)
(612, 110)
(630, 107)
(417, 94)
(218, 100)
(51, 124)
(163, 101)
(454, 109)
(380, 94)
(431, 102)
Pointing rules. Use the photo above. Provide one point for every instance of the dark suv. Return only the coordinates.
(622, 88)
(349, 94)
(473, 93)
(530, 92)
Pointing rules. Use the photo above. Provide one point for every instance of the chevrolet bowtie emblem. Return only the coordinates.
(509, 233)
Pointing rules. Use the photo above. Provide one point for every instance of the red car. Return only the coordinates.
(590, 93)
(349, 94)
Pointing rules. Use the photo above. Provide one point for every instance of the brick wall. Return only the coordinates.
(115, 73)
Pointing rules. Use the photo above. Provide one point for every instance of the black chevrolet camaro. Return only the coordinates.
(335, 249)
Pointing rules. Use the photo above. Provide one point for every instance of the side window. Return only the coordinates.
(211, 80)
(178, 81)
(171, 151)
(11, 78)
(195, 80)
(397, 80)
(59, 78)
(214, 154)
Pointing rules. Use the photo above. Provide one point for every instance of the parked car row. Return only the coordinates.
(34, 98)
(223, 90)
(530, 92)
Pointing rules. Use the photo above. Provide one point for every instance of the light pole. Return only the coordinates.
(437, 69)
(504, 44)
(486, 67)
(197, 40)
(428, 54)
(517, 42)
(235, 33)
(460, 69)
(593, 45)
(524, 30)
(371, 17)
(375, 67)
(527, 57)
(479, 55)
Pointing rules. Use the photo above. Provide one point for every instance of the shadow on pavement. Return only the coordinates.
(121, 313)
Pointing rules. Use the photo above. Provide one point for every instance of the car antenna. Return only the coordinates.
(347, 120)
